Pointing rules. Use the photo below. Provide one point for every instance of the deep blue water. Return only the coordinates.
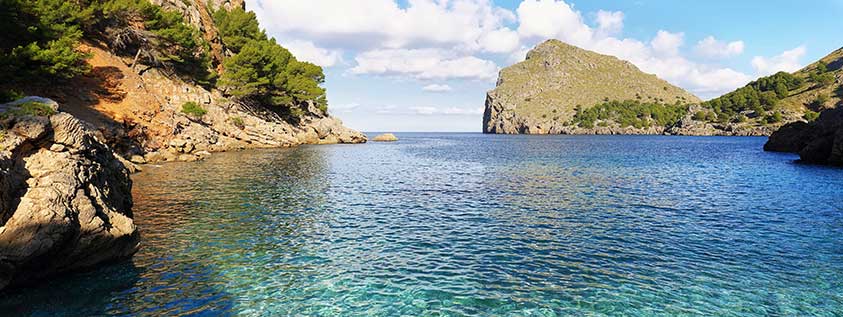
(476, 225)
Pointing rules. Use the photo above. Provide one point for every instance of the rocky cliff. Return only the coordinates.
(139, 108)
(65, 198)
(542, 93)
(819, 142)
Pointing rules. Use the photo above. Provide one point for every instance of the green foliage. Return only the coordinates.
(193, 109)
(40, 36)
(172, 39)
(811, 115)
(238, 27)
(39, 40)
(822, 67)
(266, 73)
(31, 108)
(822, 80)
(819, 102)
(10, 95)
(237, 122)
(776, 117)
(630, 113)
(759, 96)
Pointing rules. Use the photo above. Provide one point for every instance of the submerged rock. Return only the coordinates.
(65, 200)
(819, 142)
(386, 137)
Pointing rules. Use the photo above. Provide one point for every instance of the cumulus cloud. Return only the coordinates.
(543, 19)
(461, 39)
(503, 40)
(666, 43)
(787, 61)
(457, 111)
(424, 64)
(437, 88)
(384, 22)
(712, 48)
(307, 51)
(609, 23)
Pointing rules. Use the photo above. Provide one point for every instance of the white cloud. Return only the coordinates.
(712, 48)
(666, 43)
(424, 64)
(444, 39)
(502, 40)
(543, 19)
(609, 23)
(455, 111)
(437, 88)
(369, 24)
(787, 61)
(307, 51)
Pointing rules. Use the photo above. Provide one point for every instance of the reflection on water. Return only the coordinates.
(467, 224)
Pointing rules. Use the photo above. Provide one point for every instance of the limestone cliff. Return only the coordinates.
(65, 198)
(540, 94)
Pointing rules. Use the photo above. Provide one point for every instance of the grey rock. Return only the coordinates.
(62, 210)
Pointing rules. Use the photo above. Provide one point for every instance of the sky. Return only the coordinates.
(426, 65)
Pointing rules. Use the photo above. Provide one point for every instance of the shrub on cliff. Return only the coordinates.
(193, 109)
(263, 72)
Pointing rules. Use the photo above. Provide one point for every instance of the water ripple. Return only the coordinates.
(474, 225)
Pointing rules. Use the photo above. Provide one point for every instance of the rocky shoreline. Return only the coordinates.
(65, 199)
(500, 119)
(817, 142)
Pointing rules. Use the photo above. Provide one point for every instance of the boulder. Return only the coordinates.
(65, 201)
(386, 137)
(819, 142)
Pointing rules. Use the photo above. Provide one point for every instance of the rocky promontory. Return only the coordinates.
(818, 142)
(65, 198)
(541, 94)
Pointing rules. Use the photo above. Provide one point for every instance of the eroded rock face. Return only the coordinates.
(65, 200)
(818, 142)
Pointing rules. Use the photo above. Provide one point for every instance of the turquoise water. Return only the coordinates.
(476, 225)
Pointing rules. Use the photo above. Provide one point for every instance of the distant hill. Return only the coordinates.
(543, 93)
(783, 97)
(830, 92)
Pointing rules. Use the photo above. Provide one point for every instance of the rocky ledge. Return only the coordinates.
(818, 142)
(65, 198)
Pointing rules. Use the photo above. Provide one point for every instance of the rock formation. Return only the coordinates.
(819, 142)
(539, 95)
(65, 198)
(386, 137)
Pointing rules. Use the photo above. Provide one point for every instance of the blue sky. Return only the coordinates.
(425, 65)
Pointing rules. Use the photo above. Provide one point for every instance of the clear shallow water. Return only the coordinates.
(482, 225)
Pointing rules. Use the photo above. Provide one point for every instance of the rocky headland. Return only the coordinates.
(65, 197)
(817, 142)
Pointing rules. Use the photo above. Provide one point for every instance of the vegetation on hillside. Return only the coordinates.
(40, 42)
(39, 39)
(262, 71)
(757, 98)
(630, 113)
